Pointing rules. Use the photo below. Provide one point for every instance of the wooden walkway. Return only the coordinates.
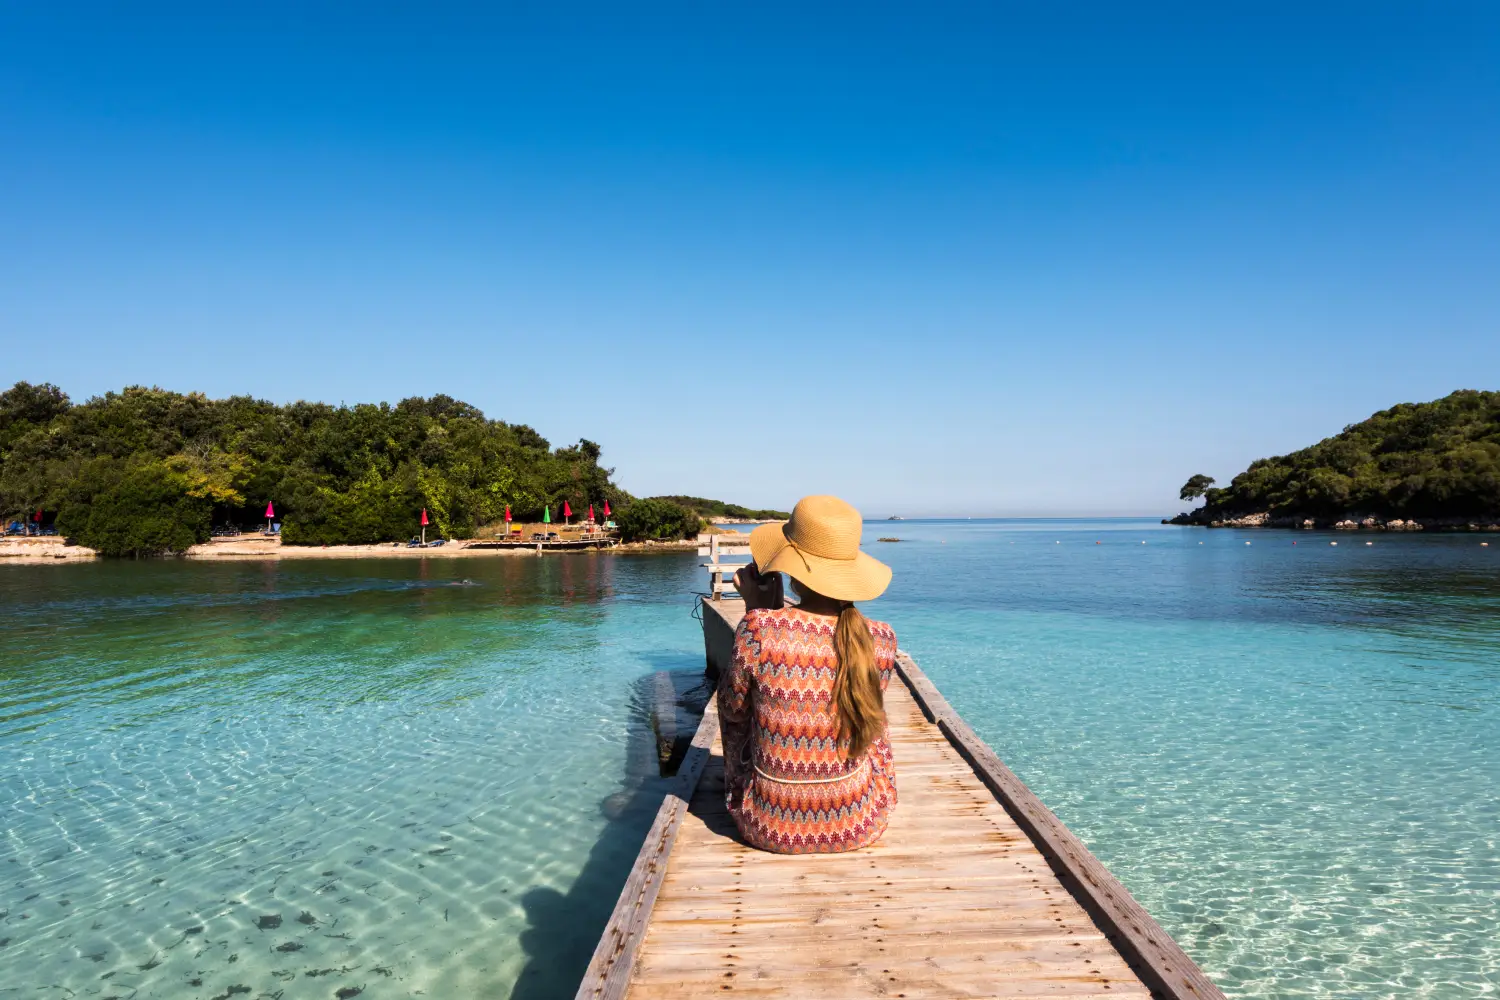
(975, 890)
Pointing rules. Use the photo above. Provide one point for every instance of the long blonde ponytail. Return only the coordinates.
(856, 685)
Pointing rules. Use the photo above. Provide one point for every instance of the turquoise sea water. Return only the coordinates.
(429, 778)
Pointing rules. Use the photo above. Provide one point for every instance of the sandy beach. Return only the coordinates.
(258, 547)
(32, 551)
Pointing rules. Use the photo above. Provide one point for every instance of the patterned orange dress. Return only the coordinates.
(789, 782)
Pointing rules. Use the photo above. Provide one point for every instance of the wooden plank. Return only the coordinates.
(968, 893)
(1152, 954)
(939, 911)
(608, 975)
(721, 577)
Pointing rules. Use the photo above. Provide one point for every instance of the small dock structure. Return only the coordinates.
(719, 547)
(975, 890)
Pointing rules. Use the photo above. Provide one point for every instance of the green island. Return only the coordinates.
(727, 511)
(146, 471)
(1414, 466)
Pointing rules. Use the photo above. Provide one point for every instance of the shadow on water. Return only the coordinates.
(563, 928)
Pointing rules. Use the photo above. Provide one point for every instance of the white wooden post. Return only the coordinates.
(716, 585)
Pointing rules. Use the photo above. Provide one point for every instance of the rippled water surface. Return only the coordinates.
(298, 778)
(430, 778)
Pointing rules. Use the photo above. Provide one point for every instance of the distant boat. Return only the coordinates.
(895, 517)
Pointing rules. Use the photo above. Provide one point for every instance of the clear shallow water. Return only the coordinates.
(1290, 754)
(300, 778)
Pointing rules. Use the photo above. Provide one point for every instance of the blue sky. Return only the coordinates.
(939, 259)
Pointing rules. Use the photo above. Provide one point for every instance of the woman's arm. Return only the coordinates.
(735, 705)
(885, 654)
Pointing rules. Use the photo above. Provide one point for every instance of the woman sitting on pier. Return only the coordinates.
(807, 760)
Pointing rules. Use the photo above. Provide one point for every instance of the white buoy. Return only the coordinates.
(1333, 543)
(1247, 543)
(1484, 545)
(1369, 543)
(1143, 543)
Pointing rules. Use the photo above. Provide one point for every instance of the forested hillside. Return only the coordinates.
(146, 470)
(1437, 460)
(718, 508)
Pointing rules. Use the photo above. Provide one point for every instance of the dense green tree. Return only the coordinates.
(657, 519)
(25, 405)
(1434, 460)
(134, 507)
(340, 474)
(1195, 487)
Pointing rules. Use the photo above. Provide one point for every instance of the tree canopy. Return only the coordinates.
(657, 519)
(146, 470)
(718, 508)
(1435, 460)
(1195, 487)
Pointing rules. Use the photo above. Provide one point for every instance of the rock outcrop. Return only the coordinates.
(1354, 521)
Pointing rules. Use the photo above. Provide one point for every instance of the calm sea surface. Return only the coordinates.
(430, 778)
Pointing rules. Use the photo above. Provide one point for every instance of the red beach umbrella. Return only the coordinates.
(37, 517)
(606, 508)
(270, 511)
(507, 513)
(567, 511)
(424, 517)
(591, 512)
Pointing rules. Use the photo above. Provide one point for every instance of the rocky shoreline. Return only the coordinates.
(1351, 521)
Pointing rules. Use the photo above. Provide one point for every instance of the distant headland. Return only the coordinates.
(1413, 467)
(719, 512)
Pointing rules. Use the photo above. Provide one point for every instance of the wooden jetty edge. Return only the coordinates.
(976, 889)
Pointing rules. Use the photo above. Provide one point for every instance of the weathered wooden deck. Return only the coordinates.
(976, 889)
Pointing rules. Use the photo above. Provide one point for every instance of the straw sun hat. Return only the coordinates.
(819, 547)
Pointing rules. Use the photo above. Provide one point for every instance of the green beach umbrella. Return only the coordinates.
(547, 515)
